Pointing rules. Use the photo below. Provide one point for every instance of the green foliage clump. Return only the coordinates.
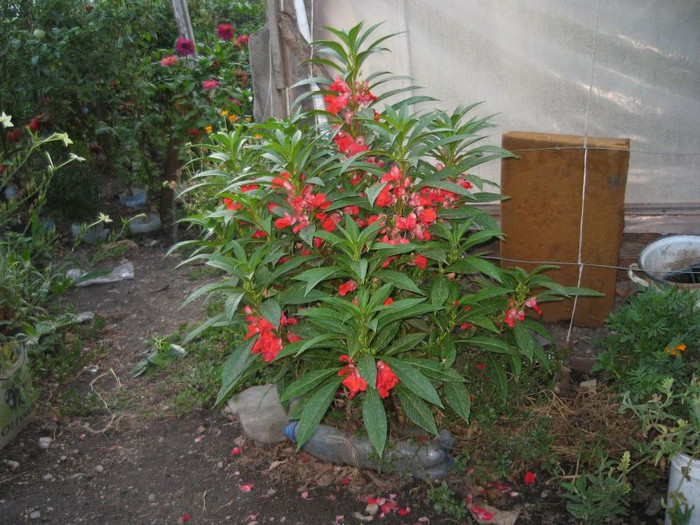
(654, 336)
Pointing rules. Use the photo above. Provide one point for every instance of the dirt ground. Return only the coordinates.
(137, 462)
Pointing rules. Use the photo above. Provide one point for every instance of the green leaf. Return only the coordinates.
(231, 304)
(316, 275)
(406, 343)
(523, 339)
(287, 267)
(436, 370)
(271, 311)
(414, 380)
(234, 369)
(471, 264)
(500, 380)
(374, 417)
(368, 369)
(306, 383)
(458, 399)
(399, 280)
(440, 291)
(217, 320)
(299, 347)
(491, 344)
(416, 410)
(315, 409)
(373, 192)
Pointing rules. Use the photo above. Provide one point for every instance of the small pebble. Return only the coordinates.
(544, 494)
(47, 477)
(283, 519)
(99, 469)
(44, 442)
(12, 464)
(151, 497)
(372, 509)
(34, 515)
(63, 458)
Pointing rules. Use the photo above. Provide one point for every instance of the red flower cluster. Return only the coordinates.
(208, 85)
(225, 31)
(353, 381)
(303, 206)
(343, 95)
(514, 314)
(184, 46)
(269, 342)
(170, 60)
(242, 40)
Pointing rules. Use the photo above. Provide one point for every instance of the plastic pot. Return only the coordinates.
(16, 398)
(144, 223)
(684, 486)
(133, 198)
(92, 235)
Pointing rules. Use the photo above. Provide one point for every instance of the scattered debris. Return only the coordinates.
(121, 273)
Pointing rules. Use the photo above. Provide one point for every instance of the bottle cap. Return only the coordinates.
(290, 431)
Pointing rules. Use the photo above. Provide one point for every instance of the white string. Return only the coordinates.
(585, 172)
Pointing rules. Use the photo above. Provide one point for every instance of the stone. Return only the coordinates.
(44, 442)
(99, 469)
(34, 515)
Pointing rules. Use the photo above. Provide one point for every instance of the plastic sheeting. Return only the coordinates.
(620, 69)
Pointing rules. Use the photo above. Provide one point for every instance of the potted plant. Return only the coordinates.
(16, 392)
(671, 421)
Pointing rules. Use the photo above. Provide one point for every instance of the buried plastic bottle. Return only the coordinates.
(428, 461)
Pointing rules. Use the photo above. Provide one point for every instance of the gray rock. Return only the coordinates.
(151, 497)
(99, 469)
(47, 477)
(34, 515)
(44, 442)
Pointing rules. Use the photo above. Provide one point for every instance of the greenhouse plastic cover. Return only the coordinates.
(619, 69)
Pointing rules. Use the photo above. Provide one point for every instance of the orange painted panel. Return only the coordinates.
(541, 219)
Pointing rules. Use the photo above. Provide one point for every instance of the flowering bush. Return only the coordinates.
(351, 252)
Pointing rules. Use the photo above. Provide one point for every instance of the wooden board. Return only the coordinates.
(541, 220)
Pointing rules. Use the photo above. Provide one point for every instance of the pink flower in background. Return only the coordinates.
(242, 40)
(184, 46)
(225, 31)
(208, 85)
(170, 60)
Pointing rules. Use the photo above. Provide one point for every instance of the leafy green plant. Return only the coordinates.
(655, 336)
(351, 253)
(597, 497)
(670, 419)
(446, 502)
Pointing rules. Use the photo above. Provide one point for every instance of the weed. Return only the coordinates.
(75, 403)
(596, 497)
(446, 501)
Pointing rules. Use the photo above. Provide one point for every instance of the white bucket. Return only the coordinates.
(684, 479)
(673, 255)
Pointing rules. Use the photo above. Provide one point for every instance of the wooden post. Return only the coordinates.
(182, 17)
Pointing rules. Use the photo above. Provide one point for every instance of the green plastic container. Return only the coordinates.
(16, 398)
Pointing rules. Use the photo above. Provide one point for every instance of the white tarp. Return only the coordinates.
(615, 68)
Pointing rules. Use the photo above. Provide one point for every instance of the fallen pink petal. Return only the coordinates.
(248, 487)
(479, 513)
(339, 518)
(404, 511)
(305, 495)
(236, 451)
(198, 439)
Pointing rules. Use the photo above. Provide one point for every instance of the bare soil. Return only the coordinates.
(134, 460)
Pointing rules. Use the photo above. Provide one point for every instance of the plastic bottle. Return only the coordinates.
(260, 412)
(428, 461)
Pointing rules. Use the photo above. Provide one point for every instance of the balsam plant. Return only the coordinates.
(352, 252)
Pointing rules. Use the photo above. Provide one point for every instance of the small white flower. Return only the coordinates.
(104, 218)
(6, 121)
